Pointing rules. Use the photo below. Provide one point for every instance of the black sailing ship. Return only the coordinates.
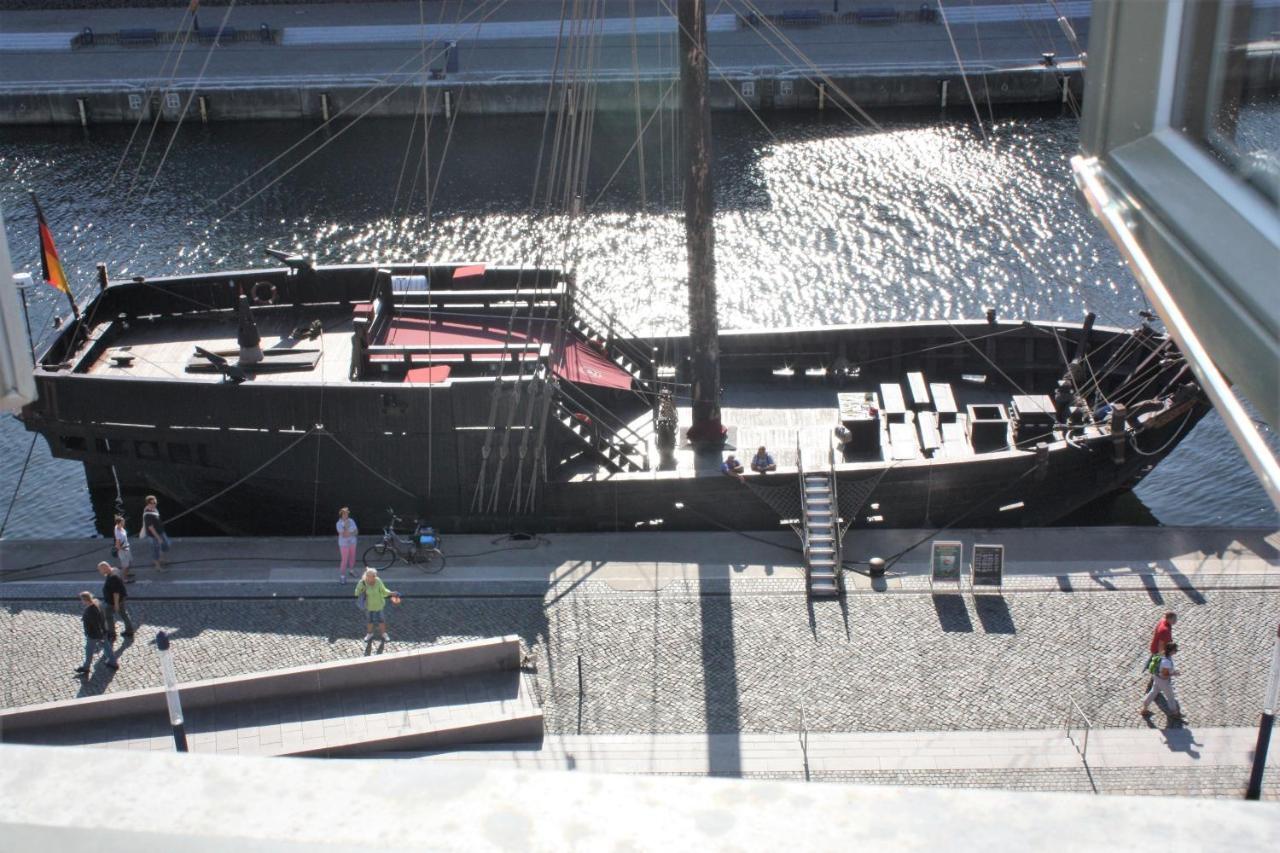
(503, 399)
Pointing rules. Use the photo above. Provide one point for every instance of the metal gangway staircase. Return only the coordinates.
(820, 529)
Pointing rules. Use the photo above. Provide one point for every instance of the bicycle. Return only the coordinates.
(421, 549)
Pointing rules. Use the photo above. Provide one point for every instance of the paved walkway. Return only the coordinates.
(709, 637)
(1134, 760)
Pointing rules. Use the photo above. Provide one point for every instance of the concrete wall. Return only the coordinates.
(487, 97)
(427, 664)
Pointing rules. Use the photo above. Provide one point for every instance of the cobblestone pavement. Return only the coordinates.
(664, 663)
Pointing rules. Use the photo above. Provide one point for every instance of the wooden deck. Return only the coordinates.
(162, 350)
(778, 415)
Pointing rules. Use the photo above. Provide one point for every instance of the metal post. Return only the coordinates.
(204, 110)
(1270, 701)
(26, 315)
(84, 114)
(945, 83)
(324, 105)
(171, 692)
(822, 96)
(699, 224)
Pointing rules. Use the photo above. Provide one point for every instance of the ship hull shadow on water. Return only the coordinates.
(502, 399)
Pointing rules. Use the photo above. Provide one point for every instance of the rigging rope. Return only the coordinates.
(191, 96)
(964, 75)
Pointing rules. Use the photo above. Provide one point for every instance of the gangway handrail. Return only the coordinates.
(837, 537)
(804, 513)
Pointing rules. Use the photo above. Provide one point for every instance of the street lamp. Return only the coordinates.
(1270, 702)
(171, 692)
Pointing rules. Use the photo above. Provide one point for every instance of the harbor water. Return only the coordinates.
(819, 220)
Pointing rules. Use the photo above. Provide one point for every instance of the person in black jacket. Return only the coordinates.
(95, 635)
(114, 594)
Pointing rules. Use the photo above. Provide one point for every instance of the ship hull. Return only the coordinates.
(998, 490)
(504, 402)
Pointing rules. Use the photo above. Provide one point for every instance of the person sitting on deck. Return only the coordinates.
(731, 466)
(762, 462)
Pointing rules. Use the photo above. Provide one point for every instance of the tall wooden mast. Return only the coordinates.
(699, 224)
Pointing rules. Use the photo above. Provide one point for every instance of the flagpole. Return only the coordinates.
(44, 259)
(26, 315)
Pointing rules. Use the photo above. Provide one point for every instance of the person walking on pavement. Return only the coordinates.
(1163, 634)
(1161, 637)
(113, 600)
(153, 529)
(347, 539)
(122, 551)
(1162, 684)
(373, 593)
(95, 635)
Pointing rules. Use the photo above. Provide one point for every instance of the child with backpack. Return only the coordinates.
(1162, 673)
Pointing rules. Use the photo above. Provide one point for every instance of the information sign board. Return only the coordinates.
(944, 561)
(987, 568)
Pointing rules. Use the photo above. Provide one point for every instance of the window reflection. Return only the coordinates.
(1228, 90)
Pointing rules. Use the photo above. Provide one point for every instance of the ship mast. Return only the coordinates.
(699, 224)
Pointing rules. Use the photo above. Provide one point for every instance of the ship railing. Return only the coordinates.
(607, 423)
(454, 353)
(416, 302)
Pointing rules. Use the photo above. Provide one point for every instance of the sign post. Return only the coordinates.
(945, 558)
(987, 567)
(1270, 704)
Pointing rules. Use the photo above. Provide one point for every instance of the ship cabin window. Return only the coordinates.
(180, 454)
(74, 443)
(110, 446)
(147, 449)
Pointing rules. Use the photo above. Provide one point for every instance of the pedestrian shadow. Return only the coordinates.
(97, 682)
(125, 645)
(993, 613)
(1179, 738)
(953, 616)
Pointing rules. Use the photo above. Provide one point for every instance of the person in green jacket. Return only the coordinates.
(374, 593)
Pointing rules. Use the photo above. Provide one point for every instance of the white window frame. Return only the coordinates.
(1204, 245)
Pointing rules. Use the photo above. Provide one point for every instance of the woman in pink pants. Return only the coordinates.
(347, 533)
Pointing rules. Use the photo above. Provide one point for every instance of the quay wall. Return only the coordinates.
(245, 101)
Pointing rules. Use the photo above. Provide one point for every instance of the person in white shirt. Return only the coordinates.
(124, 556)
(1162, 683)
(347, 538)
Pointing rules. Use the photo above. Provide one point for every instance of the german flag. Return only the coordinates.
(50, 265)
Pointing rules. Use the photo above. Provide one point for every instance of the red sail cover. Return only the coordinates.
(573, 358)
(580, 362)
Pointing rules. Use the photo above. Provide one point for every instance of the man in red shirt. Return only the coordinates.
(1163, 635)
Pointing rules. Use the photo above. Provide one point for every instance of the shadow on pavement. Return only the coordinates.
(993, 613)
(953, 616)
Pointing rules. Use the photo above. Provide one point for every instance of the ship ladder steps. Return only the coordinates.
(822, 546)
(591, 440)
(590, 332)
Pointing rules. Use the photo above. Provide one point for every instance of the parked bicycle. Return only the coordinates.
(422, 549)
